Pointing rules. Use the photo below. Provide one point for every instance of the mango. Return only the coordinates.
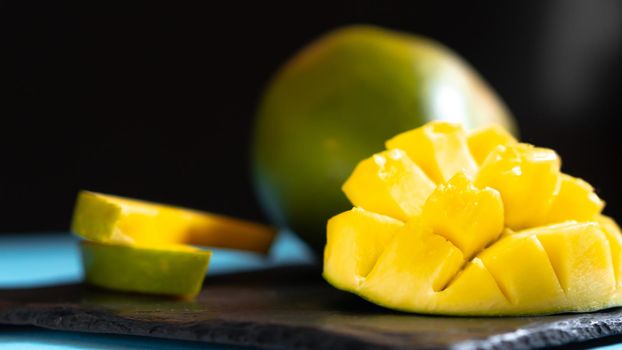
(576, 200)
(337, 100)
(469, 217)
(112, 219)
(357, 238)
(171, 270)
(138, 246)
(439, 148)
(501, 233)
(389, 183)
(528, 179)
(484, 140)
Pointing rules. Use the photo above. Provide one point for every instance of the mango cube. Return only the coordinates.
(357, 239)
(576, 200)
(389, 183)
(484, 140)
(412, 268)
(528, 179)
(468, 217)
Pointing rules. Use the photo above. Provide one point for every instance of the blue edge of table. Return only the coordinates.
(32, 260)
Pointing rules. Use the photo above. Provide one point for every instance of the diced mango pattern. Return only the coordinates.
(447, 222)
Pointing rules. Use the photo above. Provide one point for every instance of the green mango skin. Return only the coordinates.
(337, 101)
(145, 270)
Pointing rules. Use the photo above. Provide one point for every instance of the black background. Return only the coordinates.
(156, 100)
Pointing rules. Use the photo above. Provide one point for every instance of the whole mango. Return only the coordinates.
(338, 99)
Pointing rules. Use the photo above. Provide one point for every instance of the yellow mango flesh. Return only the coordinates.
(484, 140)
(581, 257)
(357, 237)
(524, 273)
(527, 177)
(112, 219)
(472, 291)
(389, 183)
(413, 267)
(514, 236)
(576, 200)
(439, 148)
(468, 217)
(614, 236)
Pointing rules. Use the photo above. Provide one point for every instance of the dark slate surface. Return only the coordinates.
(288, 308)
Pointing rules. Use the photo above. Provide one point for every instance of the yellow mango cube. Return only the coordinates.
(483, 140)
(413, 267)
(576, 200)
(468, 217)
(528, 179)
(581, 257)
(472, 291)
(439, 148)
(524, 273)
(389, 183)
(356, 239)
(111, 219)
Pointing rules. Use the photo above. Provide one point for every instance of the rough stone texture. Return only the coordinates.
(288, 308)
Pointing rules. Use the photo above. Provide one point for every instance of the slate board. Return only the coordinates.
(288, 308)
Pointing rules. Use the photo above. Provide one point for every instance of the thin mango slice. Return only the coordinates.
(111, 219)
(174, 270)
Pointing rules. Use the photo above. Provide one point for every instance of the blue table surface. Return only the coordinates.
(33, 260)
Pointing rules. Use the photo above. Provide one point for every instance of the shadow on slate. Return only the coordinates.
(290, 308)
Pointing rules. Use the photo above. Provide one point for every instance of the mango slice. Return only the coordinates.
(111, 219)
(510, 236)
(174, 270)
(138, 246)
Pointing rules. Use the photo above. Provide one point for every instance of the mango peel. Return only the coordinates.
(473, 224)
(168, 270)
(138, 246)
